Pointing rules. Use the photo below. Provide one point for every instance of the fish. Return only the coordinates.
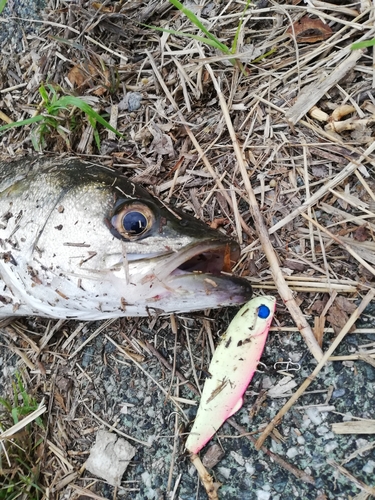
(231, 369)
(81, 241)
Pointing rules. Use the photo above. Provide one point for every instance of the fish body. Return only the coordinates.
(231, 369)
(81, 241)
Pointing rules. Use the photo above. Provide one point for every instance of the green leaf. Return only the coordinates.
(363, 45)
(7, 404)
(43, 93)
(21, 123)
(207, 41)
(193, 18)
(234, 45)
(260, 58)
(86, 108)
(14, 414)
(2, 5)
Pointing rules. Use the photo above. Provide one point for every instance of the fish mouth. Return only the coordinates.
(204, 269)
(208, 257)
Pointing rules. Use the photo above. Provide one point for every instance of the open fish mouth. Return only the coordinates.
(201, 275)
(209, 257)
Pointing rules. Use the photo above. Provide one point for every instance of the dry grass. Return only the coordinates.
(278, 154)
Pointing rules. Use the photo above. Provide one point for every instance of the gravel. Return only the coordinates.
(17, 21)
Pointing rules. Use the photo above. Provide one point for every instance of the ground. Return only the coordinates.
(293, 112)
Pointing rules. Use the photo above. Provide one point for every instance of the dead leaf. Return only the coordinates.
(345, 304)
(213, 456)
(221, 221)
(319, 305)
(78, 77)
(338, 313)
(102, 7)
(294, 265)
(60, 400)
(162, 143)
(361, 234)
(308, 30)
(87, 75)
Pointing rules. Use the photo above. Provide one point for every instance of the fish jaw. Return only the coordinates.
(231, 369)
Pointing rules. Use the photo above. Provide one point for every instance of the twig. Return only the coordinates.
(210, 487)
(340, 177)
(311, 94)
(360, 484)
(262, 231)
(113, 429)
(167, 395)
(299, 474)
(197, 146)
(353, 318)
(348, 248)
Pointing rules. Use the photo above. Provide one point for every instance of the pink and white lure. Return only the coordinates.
(232, 368)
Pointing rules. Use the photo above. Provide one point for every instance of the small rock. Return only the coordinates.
(292, 452)
(109, 457)
(330, 446)
(369, 467)
(224, 471)
(322, 429)
(250, 469)
(238, 458)
(314, 415)
(263, 495)
(213, 456)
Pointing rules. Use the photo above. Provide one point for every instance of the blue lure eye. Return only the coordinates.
(263, 311)
(134, 223)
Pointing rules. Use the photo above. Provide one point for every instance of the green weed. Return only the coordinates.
(57, 113)
(209, 39)
(2, 5)
(363, 45)
(19, 462)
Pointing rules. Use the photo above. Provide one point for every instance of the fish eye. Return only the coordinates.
(133, 221)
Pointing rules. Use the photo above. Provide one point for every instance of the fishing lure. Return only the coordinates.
(231, 369)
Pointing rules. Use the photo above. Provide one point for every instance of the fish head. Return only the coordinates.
(87, 243)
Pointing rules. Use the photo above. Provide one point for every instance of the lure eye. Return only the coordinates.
(263, 311)
(133, 221)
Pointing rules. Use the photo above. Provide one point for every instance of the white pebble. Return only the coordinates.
(314, 415)
(250, 469)
(330, 446)
(322, 429)
(263, 495)
(224, 471)
(238, 458)
(292, 452)
(369, 467)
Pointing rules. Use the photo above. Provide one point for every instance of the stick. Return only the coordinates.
(311, 94)
(353, 318)
(284, 290)
(197, 146)
(314, 198)
(338, 240)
